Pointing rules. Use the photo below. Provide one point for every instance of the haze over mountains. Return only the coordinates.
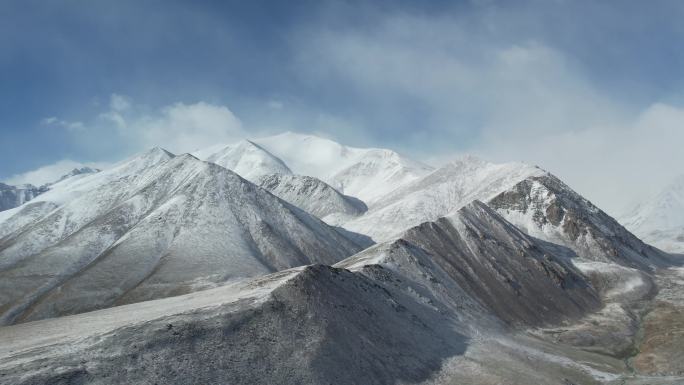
(295, 259)
(13, 196)
(660, 220)
(364, 173)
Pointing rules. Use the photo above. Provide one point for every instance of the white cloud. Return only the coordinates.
(187, 127)
(69, 126)
(503, 99)
(179, 127)
(275, 104)
(119, 102)
(48, 121)
(458, 81)
(126, 128)
(49, 173)
(114, 117)
(614, 165)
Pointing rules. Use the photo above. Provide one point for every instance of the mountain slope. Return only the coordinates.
(311, 325)
(437, 194)
(312, 195)
(14, 196)
(527, 196)
(547, 208)
(476, 258)
(245, 158)
(119, 177)
(155, 226)
(660, 220)
(75, 172)
(392, 319)
(364, 173)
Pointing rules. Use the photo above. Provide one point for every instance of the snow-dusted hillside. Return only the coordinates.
(245, 158)
(116, 179)
(154, 226)
(375, 324)
(547, 208)
(312, 325)
(528, 196)
(474, 257)
(660, 220)
(85, 170)
(364, 173)
(312, 195)
(14, 196)
(437, 194)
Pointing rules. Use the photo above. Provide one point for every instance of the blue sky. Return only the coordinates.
(591, 90)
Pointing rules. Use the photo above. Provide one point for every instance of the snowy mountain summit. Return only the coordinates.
(246, 158)
(660, 220)
(364, 173)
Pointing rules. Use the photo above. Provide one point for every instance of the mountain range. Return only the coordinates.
(296, 259)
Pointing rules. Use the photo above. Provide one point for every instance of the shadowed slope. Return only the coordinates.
(476, 257)
(313, 325)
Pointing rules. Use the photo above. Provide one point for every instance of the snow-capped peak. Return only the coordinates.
(660, 220)
(78, 171)
(663, 211)
(154, 154)
(246, 158)
(364, 173)
(439, 193)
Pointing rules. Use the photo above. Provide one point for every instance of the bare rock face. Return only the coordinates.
(547, 208)
(317, 325)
